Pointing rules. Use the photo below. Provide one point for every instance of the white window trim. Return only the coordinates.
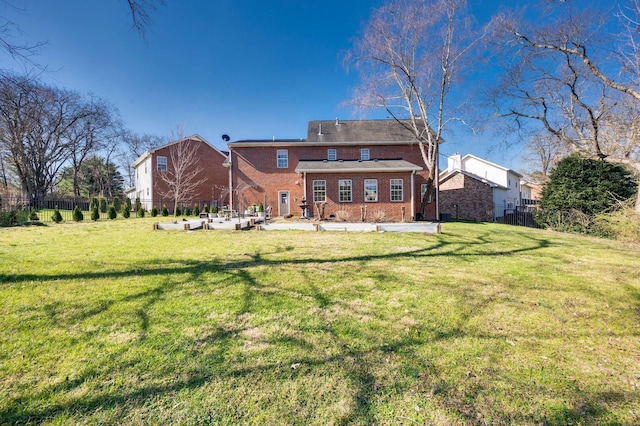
(282, 154)
(159, 163)
(365, 190)
(349, 183)
(314, 192)
(364, 152)
(391, 190)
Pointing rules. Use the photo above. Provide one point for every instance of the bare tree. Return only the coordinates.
(89, 134)
(184, 173)
(133, 146)
(36, 122)
(556, 81)
(409, 56)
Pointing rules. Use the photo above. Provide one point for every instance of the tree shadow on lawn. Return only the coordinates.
(355, 362)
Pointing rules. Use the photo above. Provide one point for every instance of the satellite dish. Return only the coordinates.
(226, 138)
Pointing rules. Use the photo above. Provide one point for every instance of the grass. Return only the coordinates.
(111, 322)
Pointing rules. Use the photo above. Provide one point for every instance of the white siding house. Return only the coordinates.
(504, 181)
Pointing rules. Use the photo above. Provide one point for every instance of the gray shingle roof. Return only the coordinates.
(358, 130)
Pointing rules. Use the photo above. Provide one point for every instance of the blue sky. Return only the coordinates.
(252, 69)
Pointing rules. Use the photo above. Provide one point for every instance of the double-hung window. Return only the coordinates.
(162, 164)
(396, 189)
(319, 191)
(283, 158)
(331, 154)
(370, 190)
(345, 190)
(364, 154)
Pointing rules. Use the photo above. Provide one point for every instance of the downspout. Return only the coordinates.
(230, 181)
(413, 196)
(304, 183)
(437, 183)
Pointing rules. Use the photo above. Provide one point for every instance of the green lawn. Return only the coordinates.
(112, 322)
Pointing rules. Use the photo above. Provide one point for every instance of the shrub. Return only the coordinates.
(154, 211)
(117, 203)
(140, 212)
(103, 205)
(33, 215)
(623, 225)
(205, 209)
(378, 216)
(177, 212)
(196, 210)
(260, 208)
(138, 204)
(56, 217)
(586, 185)
(94, 203)
(77, 214)
(127, 203)
(165, 211)
(95, 213)
(126, 211)
(112, 212)
(187, 211)
(343, 215)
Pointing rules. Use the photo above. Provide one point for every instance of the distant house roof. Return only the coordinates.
(343, 132)
(360, 131)
(355, 166)
(449, 175)
(491, 164)
(196, 137)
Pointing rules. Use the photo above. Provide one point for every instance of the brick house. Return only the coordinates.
(473, 188)
(365, 170)
(213, 175)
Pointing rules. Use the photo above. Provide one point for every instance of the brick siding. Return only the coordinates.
(474, 199)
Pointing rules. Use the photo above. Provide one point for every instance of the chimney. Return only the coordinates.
(454, 162)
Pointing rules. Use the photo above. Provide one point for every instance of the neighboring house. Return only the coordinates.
(213, 175)
(357, 170)
(472, 188)
(530, 193)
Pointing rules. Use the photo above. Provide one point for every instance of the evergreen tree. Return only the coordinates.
(154, 211)
(126, 211)
(112, 212)
(103, 205)
(77, 214)
(56, 217)
(95, 213)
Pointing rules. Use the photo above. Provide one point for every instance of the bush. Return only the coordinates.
(112, 212)
(177, 212)
(187, 211)
(138, 204)
(196, 210)
(126, 211)
(56, 217)
(94, 203)
(154, 211)
(117, 203)
(205, 209)
(623, 225)
(127, 203)
(165, 211)
(586, 185)
(95, 213)
(103, 205)
(77, 214)
(140, 212)
(33, 216)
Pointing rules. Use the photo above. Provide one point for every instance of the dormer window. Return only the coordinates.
(331, 154)
(364, 154)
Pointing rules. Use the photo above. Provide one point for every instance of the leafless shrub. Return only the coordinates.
(343, 215)
(378, 216)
